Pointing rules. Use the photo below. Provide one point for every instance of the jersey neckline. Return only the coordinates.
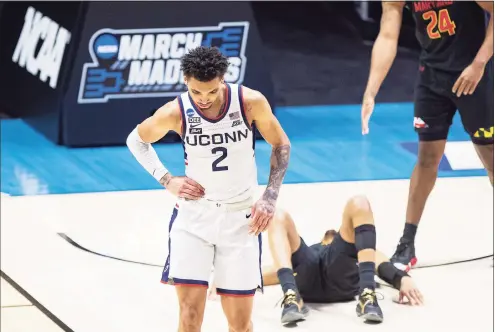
(228, 100)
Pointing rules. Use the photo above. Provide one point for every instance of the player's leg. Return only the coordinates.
(237, 269)
(188, 268)
(283, 240)
(237, 277)
(238, 311)
(288, 252)
(192, 302)
(476, 112)
(477, 117)
(433, 115)
(485, 153)
(358, 228)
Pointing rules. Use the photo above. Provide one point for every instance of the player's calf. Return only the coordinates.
(423, 178)
(365, 246)
(367, 306)
(285, 241)
(359, 216)
(358, 228)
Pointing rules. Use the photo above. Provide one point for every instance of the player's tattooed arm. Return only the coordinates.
(259, 112)
(279, 162)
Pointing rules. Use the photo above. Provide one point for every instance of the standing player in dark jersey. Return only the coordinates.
(337, 269)
(455, 73)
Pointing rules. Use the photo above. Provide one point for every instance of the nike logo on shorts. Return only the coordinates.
(248, 216)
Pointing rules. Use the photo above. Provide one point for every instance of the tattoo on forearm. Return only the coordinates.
(279, 162)
(165, 179)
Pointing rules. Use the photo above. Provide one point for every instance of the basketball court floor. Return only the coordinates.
(84, 233)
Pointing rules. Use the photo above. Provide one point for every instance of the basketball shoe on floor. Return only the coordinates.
(293, 308)
(404, 257)
(368, 307)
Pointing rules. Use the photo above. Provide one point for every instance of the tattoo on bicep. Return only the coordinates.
(279, 162)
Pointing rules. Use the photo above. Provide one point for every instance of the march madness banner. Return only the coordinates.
(128, 62)
(145, 63)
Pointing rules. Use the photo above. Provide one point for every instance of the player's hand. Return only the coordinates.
(409, 291)
(262, 213)
(183, 187)
(469, 79)
(366, 110)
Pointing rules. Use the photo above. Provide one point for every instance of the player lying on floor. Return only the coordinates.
(337, 269)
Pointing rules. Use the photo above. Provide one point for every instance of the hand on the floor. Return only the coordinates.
(409, 291)
(469, 79)
(261, 213)
(366, 110)
(184, 187)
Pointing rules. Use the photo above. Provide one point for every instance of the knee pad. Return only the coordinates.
(365, 237)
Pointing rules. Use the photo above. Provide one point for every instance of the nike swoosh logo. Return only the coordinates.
(194, 125)
(248, 216)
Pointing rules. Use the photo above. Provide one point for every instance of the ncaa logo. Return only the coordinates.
(145, 63)
(106, 46)
(189, 112)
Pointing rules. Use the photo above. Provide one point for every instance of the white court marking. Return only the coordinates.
(92, 294)
(462, 156)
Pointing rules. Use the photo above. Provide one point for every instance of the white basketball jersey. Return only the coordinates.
(219, 153)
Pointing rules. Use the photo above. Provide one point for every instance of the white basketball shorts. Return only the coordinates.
(202, 237)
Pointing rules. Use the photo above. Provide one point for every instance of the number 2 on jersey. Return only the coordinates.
(223, 155)
(439, 24)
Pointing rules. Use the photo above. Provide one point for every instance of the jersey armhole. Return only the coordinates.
(183, 118)
(241, 105)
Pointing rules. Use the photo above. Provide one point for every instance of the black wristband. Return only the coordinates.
(390, 274)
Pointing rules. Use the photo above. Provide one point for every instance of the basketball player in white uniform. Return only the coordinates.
(216, 221)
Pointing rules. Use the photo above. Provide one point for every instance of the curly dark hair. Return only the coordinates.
(204, 63)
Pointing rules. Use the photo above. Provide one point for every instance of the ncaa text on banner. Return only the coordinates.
(145, 63)
(47, 59)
